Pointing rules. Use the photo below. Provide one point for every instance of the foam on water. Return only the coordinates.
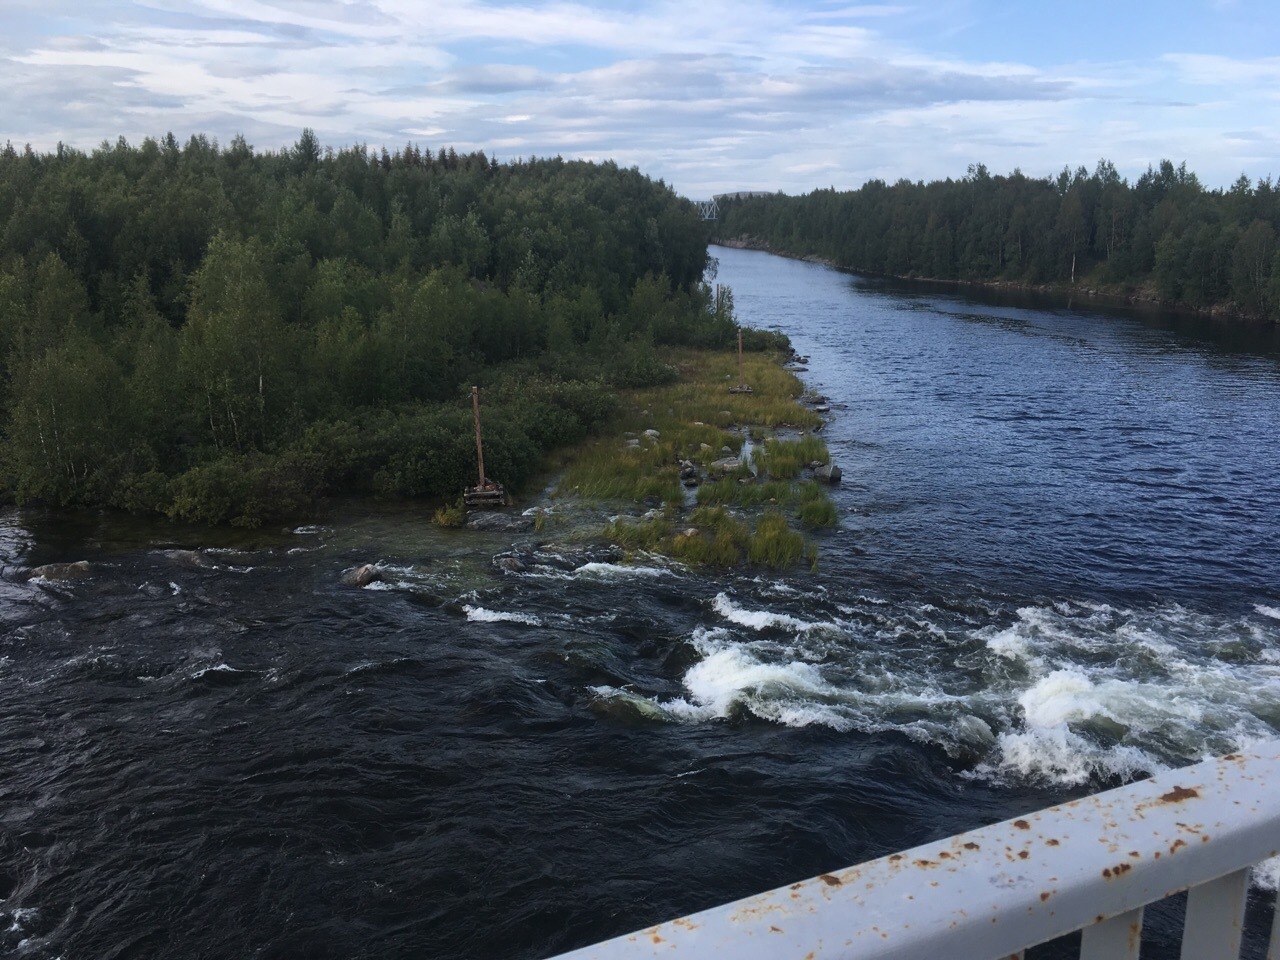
(1272, 612)
(600, 570)
(761, 619)
(1067, 692)
(481, 615)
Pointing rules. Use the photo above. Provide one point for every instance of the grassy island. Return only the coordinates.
(722, 473)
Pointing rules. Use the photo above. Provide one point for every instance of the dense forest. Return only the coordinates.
(1164, 237)
(227, 335)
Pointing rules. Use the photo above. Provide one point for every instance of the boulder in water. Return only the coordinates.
(362, 576)
(60, 571)
(509, 563)
(187, 558)
(828, 472)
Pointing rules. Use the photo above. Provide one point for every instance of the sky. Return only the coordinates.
(709, 95)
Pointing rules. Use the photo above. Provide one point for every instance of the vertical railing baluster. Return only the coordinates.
(1273, 949)
(1215, 917)
(1116, 939)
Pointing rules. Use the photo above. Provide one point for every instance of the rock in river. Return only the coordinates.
(362, 576)
(828, 472)
(60, 571)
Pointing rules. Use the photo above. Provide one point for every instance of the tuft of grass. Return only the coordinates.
(645, 535)
(718, 538)
(816, 509)
(609, 470)
(752, 493)
(774, 543)
(450, 515)
(784, 459)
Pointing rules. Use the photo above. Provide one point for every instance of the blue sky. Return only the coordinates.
(711, 95)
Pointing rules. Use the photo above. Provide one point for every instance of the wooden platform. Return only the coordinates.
(489, 496)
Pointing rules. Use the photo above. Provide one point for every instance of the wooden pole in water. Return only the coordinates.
(475, 404)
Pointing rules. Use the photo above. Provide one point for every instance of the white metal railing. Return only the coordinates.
(1089, 865)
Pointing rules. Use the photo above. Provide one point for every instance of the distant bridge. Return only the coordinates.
(710, 209)
(707, 209)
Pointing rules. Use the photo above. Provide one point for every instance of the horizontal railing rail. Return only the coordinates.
(1092, 865)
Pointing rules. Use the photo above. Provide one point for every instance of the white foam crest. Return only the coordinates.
(216, 668)
(1059, 755)
(1009, 643)
(763, 619)
(481, 615)
(1272, 612)
(600, 570)
(645, 707)
(20, 916)
(728, 675)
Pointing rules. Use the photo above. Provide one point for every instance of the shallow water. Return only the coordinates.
(1054, 572)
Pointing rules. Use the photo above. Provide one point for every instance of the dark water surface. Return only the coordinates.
(1056, 570)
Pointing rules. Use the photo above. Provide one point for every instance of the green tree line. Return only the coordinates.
(1163, 237)
(226, 335)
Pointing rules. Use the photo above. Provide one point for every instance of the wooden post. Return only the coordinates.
(742, 377)
(475, 404)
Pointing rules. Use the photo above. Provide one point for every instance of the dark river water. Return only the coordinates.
(1056, 570)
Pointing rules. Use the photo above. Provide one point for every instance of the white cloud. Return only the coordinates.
(754, 94)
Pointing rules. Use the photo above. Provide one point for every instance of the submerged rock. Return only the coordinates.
(828, 472)
(61, 571)
(186, 558)
(361, 576)
(509, 563)
(726, 464)
(498, 521)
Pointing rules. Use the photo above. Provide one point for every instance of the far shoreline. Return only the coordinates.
(1057, 293)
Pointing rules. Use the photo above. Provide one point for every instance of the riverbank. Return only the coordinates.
(1103, 295)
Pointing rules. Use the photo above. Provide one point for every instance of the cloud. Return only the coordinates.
(756, 94)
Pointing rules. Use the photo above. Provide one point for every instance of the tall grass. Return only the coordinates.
(774, 544)
(816, 509)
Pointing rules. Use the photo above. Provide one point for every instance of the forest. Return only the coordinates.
(225, 335)
(1164, 237)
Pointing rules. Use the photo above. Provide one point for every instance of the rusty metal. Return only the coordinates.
(1092, 863)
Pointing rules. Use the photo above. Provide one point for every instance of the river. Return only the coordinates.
(1055, 571)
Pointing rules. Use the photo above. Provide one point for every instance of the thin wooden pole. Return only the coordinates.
(475, 404)
(742, 377)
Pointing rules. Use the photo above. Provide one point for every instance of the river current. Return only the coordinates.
(1056, 570)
